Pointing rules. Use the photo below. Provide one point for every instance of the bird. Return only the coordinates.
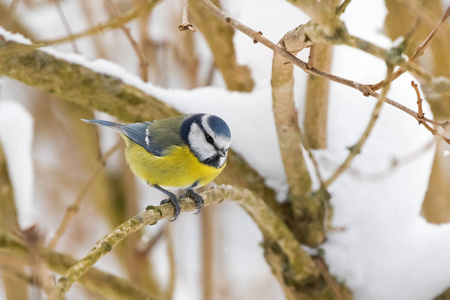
(182, 153)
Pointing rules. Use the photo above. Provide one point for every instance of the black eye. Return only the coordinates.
(209, 139)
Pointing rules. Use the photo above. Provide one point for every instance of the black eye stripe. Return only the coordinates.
(209, 139)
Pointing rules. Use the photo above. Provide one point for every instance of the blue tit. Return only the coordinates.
(183, 152)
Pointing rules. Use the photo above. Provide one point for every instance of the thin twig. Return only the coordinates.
(363, 88)
(301, 264)
(329, 279)
(73, 209)
(356, 149)
(143, 60)
(310, 63)
(185, 25)
(66, 25)
(419, 51)
(109, 25)
(420, 116)
(395, 163)
(420, 113)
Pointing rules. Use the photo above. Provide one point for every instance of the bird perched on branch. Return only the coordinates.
(183, 152)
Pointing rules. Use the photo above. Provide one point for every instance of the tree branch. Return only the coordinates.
(95, 280)
(439, 85)
(356, 149)
(300, 262)
(219, 37)
(111, 24)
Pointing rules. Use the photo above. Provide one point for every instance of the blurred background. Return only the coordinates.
(400, 181)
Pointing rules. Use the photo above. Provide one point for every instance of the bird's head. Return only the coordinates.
(208, 138)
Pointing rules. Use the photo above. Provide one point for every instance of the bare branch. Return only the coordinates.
(440, 83)
(95, 280)
(73, 208)
(356, 149)
(137, 49)
(111, 24)
(419, 51)
(185, 25)
(300, 262)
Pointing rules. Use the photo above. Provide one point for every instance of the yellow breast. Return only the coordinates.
(178, 168)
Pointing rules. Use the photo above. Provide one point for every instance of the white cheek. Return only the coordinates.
(222, 161)
(223, 142)
(199, 145)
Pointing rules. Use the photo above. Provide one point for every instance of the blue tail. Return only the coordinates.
(112, 125)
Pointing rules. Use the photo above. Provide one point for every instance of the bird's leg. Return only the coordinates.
(196, 197)
(172, 199)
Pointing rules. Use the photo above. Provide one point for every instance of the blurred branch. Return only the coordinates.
(341, 8)
(219, 37)
(111, 24)
(8, 19)
(320, 12)
(172, 263)
(95, 280)
(109, 94)
(137, 49)
(14, 288)
(66, 25)
(208, 245)
(73, 209)
(439, 85)
(301, 264)
(356, 149)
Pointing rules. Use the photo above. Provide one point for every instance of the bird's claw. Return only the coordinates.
(197, 199)
(176, 207)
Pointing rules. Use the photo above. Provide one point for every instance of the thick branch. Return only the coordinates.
(300, 262)
(316, 103)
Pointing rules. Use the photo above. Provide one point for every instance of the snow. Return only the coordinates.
(386, 250)
(16, 138)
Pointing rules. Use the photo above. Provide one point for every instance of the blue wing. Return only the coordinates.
(137, 132)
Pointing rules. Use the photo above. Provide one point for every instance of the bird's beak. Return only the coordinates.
(222, 152)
